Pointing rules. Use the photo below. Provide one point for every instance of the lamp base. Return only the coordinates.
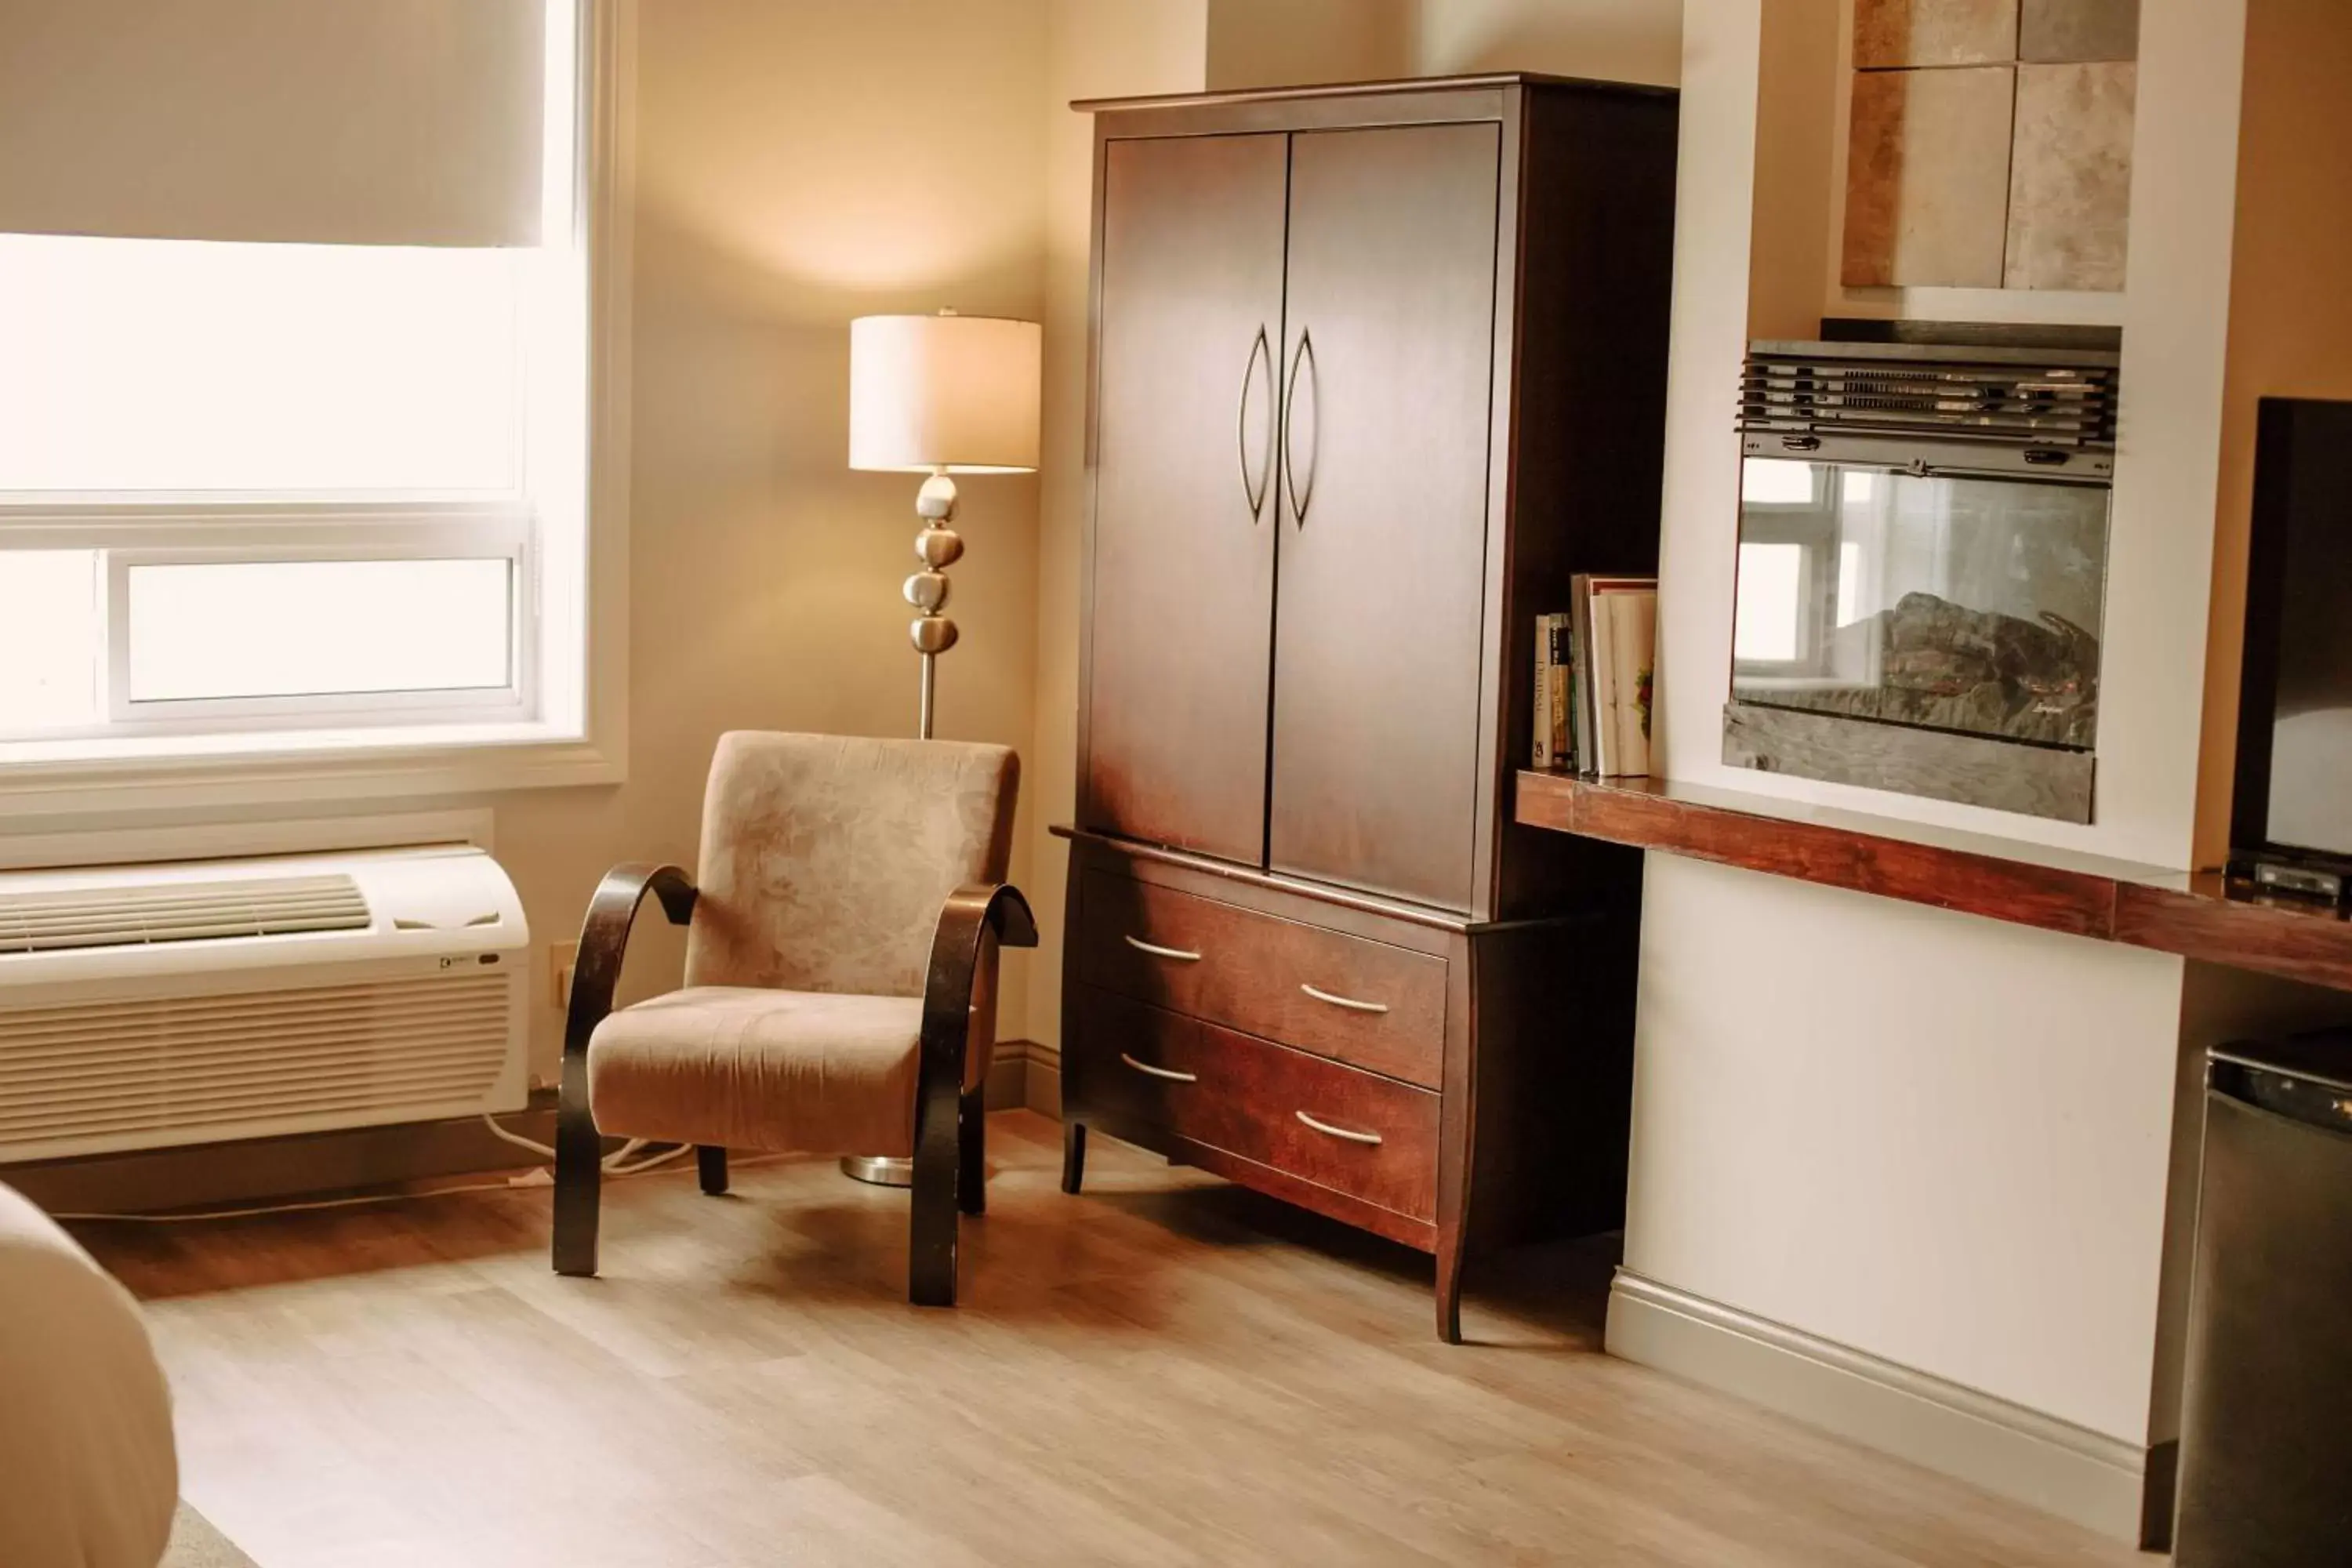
(937, 547)
(879, 1170)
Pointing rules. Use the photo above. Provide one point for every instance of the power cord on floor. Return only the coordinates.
(612, 1166)
(287, 1208)
(616, 1163)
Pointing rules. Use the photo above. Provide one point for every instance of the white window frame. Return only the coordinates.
(489, 532)
(561, 721)
(1801, 524)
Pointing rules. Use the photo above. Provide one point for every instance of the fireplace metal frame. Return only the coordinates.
(2006, 411)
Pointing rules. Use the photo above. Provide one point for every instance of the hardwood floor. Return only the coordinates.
(1166, 1371)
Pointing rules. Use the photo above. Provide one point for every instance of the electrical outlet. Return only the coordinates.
(563, 958)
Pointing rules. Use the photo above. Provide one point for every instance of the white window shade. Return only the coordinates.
(326, 121)
(169, 365)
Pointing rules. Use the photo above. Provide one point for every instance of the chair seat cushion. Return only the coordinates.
(748, 1068)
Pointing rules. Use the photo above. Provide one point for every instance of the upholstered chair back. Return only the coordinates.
(825, 858)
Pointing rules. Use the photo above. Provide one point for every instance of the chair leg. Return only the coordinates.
(579, 1172)
(1074, 1153)
(931, 1229)
(711, 1162)
(971, 1153)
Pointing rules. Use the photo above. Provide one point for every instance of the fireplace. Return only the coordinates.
(1922, 579)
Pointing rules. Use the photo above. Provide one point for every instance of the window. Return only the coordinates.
(1780, 508)
(317, 474)
(1767, 624)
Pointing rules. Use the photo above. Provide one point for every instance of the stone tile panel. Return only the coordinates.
(2078, 30)
(1928, 178)
(1894, 33)
(2070, 178)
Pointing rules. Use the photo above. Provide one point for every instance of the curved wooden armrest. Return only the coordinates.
(979, 907)
(604, 939)
(950, 1168)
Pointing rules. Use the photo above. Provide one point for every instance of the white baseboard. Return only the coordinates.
(1042, 1078)
(1008, 1075)
(2071, 1471)
(1024, 1073)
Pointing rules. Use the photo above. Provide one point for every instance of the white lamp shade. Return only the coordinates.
(959, 393)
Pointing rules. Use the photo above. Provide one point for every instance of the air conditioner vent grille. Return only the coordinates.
(179, 912)
(205, 1067)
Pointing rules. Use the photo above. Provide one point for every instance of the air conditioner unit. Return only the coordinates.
(142, 1006)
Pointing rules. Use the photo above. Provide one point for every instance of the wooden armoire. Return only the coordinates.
(1375, 371)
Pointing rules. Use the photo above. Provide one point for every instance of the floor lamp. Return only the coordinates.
(938, 396)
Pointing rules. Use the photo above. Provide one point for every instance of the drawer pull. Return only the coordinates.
(1349, 1003)
(1178, 954)
(1329, 1130)
(1171, 1073)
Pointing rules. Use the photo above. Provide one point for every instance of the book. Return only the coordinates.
(1608, 734)
(1632, 619)
(1540, 754)
(1580, 738)
(1613, 636)
(1552, 742)
(1563, 664)
(1645, 670)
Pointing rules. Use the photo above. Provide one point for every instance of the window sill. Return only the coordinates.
(123, 775)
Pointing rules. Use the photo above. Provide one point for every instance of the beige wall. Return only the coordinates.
(2290, 312)
(1931, 1137)
(1285, 43)
(1613, 40)
(1800, 72)
(798, 166)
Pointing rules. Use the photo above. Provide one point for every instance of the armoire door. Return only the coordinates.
(1388, 362)
(1181, 614)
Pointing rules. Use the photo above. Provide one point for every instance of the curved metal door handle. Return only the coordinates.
(1178, 954)
(1348, 1002)
(1171, 1073)
(1325, 1128)
(1254, 492)
(1303, 360)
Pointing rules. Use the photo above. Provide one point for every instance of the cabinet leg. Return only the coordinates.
(1074, 1153)
(1449, 1284)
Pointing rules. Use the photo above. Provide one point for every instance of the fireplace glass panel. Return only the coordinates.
(1963, 604)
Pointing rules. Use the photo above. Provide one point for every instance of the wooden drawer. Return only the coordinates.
(1319, 1120)
(1367, 1002)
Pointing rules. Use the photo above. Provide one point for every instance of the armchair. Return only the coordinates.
(839, 991)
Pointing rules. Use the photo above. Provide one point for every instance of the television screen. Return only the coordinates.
(2295, 727)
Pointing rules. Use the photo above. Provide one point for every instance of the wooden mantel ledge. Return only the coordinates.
(2199, 915)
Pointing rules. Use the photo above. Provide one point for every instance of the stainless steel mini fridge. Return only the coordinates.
(2266, 1423)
